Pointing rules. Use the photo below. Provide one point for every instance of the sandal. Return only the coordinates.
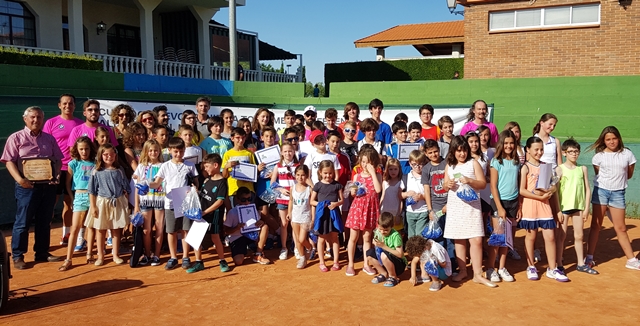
(391, 282)
(90, 260)
(586, 269)
(99, 262)
(379, 279)
(65, 266)
(323, 268)
(335, 267)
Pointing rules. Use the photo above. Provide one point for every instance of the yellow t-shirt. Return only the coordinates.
(243, 156)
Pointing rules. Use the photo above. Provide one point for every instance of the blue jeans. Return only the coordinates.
(33, 204)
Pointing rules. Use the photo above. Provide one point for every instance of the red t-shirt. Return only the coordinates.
(344, 174)
(431, 133)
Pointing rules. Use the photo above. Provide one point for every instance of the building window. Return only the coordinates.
(124, 40)
(565, 16)
(17, 24)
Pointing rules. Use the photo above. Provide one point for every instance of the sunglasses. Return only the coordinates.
(93, 110)
(122, 115)
(148, 120)
(291, 140)
(350, 131)
(244, 200)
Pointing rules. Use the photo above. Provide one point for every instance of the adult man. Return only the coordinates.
(91, 112)
(33, 200)
(310, 115)
(60, 127)
(163, 117)
(203, 104)
(384, 133)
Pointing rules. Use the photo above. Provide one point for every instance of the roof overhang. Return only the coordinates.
(384, 44)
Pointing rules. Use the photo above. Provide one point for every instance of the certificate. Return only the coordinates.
(177, 196)
(192, 159)
(405, 149)
(196, 233)
(245, 172)
(508, 234)
(306, 147)
(269, 155)
(38, 170)
(544, 177)
(248, 214)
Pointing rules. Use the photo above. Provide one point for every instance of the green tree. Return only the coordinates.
(308, 89)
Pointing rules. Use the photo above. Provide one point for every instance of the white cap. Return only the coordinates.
(310, 108)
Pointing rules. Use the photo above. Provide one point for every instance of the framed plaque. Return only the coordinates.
(38, 170)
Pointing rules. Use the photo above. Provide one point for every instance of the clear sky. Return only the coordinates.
(324, 31)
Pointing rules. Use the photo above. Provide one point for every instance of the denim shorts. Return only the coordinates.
(81, 202)
(611, 198)
(282, 207)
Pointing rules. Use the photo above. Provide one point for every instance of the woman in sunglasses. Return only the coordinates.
(121, 116)
(148, 119)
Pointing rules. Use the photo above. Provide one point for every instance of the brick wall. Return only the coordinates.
(608, 50)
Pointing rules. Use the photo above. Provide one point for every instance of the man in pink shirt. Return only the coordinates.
(60, 127)
(34, 201)
(91, 112)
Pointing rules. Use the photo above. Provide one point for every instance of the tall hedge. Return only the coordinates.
(397, 70)
(13, 56)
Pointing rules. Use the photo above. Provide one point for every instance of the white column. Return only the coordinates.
(380, 54)
(76, 35)
(146, 8)
(203, 16)
(455, 50)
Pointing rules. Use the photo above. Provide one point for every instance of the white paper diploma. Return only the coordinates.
(248, 214)
(196, 233)
(544, 177)
(269, 155)
(245, 172)
(306, 147)
(177, 196)
(405, 149)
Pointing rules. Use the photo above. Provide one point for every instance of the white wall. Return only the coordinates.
(93, 12)
(48, 22)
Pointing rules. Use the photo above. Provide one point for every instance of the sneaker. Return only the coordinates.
(261, 259)
(435, 286)
(350, 271)
(64, 240)
(283, 254)
(171, 264)
(513, 254)
(109, 242)
(144, 261)
(532, 273)
(186, 263)
(224, 267)
(81, 247)
(302, 262)
(557, 275)
(369, 270)
(327, 254)
(197, 266)
(155, 261)
(633, 263)
(504, 275)
(492, 275)
(296, 252)
(536, 255)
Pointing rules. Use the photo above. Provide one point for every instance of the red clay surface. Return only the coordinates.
(279, 294)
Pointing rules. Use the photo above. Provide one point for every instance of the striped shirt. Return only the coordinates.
(612, 174)
(286, 179)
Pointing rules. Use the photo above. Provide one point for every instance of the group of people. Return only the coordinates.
(359, 184)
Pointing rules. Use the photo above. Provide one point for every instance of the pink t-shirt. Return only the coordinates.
(471, 126)
(84, 130)
(60, 129)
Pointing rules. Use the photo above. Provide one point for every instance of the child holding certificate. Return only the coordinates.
(399, 130)
(234, 156)
(239, 241)
(283, 174)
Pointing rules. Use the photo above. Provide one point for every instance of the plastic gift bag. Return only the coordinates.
(137, 219)
(191, 205)
(466, 193)
(264, 174)
(253, 235)
(498, 237)
(410, 201)
(271, 194)
(143, 187)
(432, 230)
(361, 190)
(431, 267)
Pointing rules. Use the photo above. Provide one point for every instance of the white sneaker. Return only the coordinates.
(532, 273)
(283, 254)
(557, 275)
(327, 254)
(536, 256)
(296, 252)
(633, 264)
(302, 262)
(505, 276)
(492, 275)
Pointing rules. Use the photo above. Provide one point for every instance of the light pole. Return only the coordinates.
(452, 4)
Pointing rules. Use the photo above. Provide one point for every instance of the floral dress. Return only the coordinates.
(365, 210)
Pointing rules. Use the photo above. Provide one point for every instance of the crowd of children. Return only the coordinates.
(355, 185)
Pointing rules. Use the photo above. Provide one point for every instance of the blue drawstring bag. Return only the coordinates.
(433, 230)
(137, 219)
(270, 195)
(336, 220)
(498, 237)
(379, 252)
(410, 201)
(191, 205)
(466, 193)
(143, 187)
(253, 235)
(431, 267)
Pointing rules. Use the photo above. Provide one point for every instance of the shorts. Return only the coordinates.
(571, 211)
(61, 188)
(282, 207)
(486, 208)
(239, 246)
(510, 206)
(611, 198)
(216, 220)
(398, 264)
(174, 224)
(259, 202)
(81, 202)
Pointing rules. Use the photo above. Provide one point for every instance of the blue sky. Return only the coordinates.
(324, 31)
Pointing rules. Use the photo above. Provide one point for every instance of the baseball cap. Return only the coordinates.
(314, 135)
(310, 108)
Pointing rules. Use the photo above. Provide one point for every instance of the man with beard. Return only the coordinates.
(34, 201)
(310, 115)
(60, 128)
(91, 112)
(163, 118)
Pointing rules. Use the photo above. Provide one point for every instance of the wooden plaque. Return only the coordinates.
(38, 170)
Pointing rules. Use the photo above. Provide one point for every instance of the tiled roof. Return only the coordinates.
(427, 33)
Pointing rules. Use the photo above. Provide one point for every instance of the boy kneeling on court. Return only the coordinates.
(239, 241)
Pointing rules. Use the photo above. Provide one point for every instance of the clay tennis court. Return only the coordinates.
(279, 294)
